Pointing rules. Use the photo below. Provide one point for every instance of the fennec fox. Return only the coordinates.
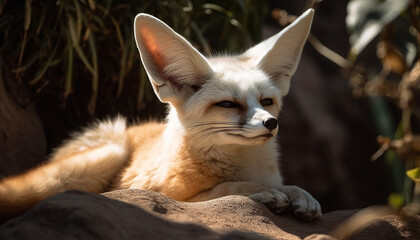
(218, 138)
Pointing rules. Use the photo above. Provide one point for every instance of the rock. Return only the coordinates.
(22, 139)
(139, 214)
(230, 213)
(80, 215)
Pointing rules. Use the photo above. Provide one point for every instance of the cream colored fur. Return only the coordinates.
(218, 139)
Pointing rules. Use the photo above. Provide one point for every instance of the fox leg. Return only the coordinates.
(273, 198)
(90, 170)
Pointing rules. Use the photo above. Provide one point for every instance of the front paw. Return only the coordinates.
(277, 201)
(304, 206)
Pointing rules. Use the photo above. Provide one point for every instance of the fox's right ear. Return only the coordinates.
(175, 68)
(279, 55)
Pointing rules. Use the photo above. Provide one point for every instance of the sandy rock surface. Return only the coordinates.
(139, 214)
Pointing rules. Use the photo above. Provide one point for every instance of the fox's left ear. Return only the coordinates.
(279, 55)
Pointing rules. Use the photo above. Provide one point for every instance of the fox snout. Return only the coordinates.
(270, 123)
(262, 119)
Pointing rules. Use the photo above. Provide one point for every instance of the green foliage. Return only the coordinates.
(414, 174)
(397, 24)
(53, 44)
(396, 200)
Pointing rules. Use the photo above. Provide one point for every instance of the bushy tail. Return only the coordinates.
(88, 162)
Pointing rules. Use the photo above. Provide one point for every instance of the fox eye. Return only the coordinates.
(267, 102)
(227, 104)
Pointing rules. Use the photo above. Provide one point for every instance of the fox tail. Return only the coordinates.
(88, 162)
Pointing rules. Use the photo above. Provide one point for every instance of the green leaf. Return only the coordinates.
(76, 46)
(124, 66)
(414, 174)
(118, 31)
(366, 18)
(42, 20)
(79, 19)
(92, 4)
(28, 11)
(382, 116)
(69, 71)
(44, 68)
(396, 200)
(4, 20)
(34, 59)
(95, 78)
(242, 5)
(217, 8)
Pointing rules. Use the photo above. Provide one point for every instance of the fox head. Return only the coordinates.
(221, 100)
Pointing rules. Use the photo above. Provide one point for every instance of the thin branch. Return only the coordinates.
(330, 54)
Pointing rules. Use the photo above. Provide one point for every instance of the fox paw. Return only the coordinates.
(304, 206)
(277, 201)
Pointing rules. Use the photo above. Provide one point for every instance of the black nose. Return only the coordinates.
(270, 123)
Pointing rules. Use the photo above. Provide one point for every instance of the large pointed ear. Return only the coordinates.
(175, 68)
(279, 55)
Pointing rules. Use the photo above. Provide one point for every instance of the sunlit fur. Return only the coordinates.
(203, 150)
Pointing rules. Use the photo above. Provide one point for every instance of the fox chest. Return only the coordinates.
(264, 172)
(218, 171)
(260, 168)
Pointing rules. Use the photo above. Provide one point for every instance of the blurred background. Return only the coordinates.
(348, 127)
